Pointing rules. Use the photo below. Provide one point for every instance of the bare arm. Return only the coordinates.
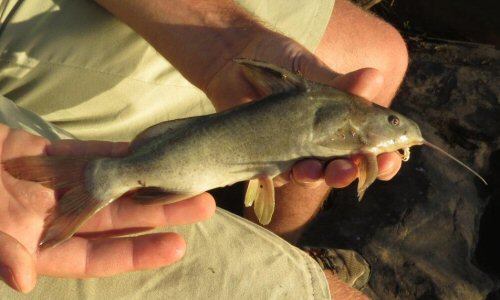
(200, 39)
(197, 37)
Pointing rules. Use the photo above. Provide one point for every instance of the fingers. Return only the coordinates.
(388, 165)
(307, 172)
(15, 143)
(77, 147)
(127, 213)
(366, 83)
(340, 173)
(97, 258)
(23, 143)
(16, 264)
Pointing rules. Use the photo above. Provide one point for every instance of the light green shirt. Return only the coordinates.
(79, 68)
(70, 68)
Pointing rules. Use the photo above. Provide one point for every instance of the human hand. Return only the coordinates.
(229, 87)
(24, 206)
(202, 49)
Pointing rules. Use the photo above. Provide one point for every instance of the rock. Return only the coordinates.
(420, 231)
(453, 19)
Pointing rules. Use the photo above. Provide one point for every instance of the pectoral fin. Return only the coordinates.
(260, 193)
(368, 170)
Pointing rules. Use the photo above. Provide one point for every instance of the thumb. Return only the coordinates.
(17, 268)
(366, 83)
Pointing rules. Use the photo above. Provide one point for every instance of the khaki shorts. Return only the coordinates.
(69, 69)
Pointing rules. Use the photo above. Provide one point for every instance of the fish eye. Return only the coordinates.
(393, 120)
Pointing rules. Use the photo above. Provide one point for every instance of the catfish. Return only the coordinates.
(255, 141)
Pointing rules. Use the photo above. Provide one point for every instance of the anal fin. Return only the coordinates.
(74, 208)
(260, 193)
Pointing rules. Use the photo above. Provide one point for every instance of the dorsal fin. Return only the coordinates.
(271, 79)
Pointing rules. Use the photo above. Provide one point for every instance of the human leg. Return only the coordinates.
(356, 39)
(296, 205)
(245, 261)
(113, 119)
(227, 258)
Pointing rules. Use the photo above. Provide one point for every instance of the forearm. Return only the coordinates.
(196, 37)
(303, 204)
(296, 204)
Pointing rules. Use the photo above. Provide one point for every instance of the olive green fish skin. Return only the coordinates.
(255, 142)
(262, 138)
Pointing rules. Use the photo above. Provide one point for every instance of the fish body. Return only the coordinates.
(255, 142)
(264, 138)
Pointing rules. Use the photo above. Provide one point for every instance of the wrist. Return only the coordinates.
(221, 33)
(197, 37)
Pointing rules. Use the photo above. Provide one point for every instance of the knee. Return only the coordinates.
(386, 51)
(393, 55)
(356, 39)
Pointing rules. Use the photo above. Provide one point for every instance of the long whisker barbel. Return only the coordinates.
(426, 143)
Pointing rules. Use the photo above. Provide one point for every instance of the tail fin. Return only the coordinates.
(66, 175)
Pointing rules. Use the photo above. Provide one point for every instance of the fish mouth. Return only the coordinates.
(400, 147)
(404, 153)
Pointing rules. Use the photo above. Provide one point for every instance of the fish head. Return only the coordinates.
(390, 131)
(385, 130)
(356, 125)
